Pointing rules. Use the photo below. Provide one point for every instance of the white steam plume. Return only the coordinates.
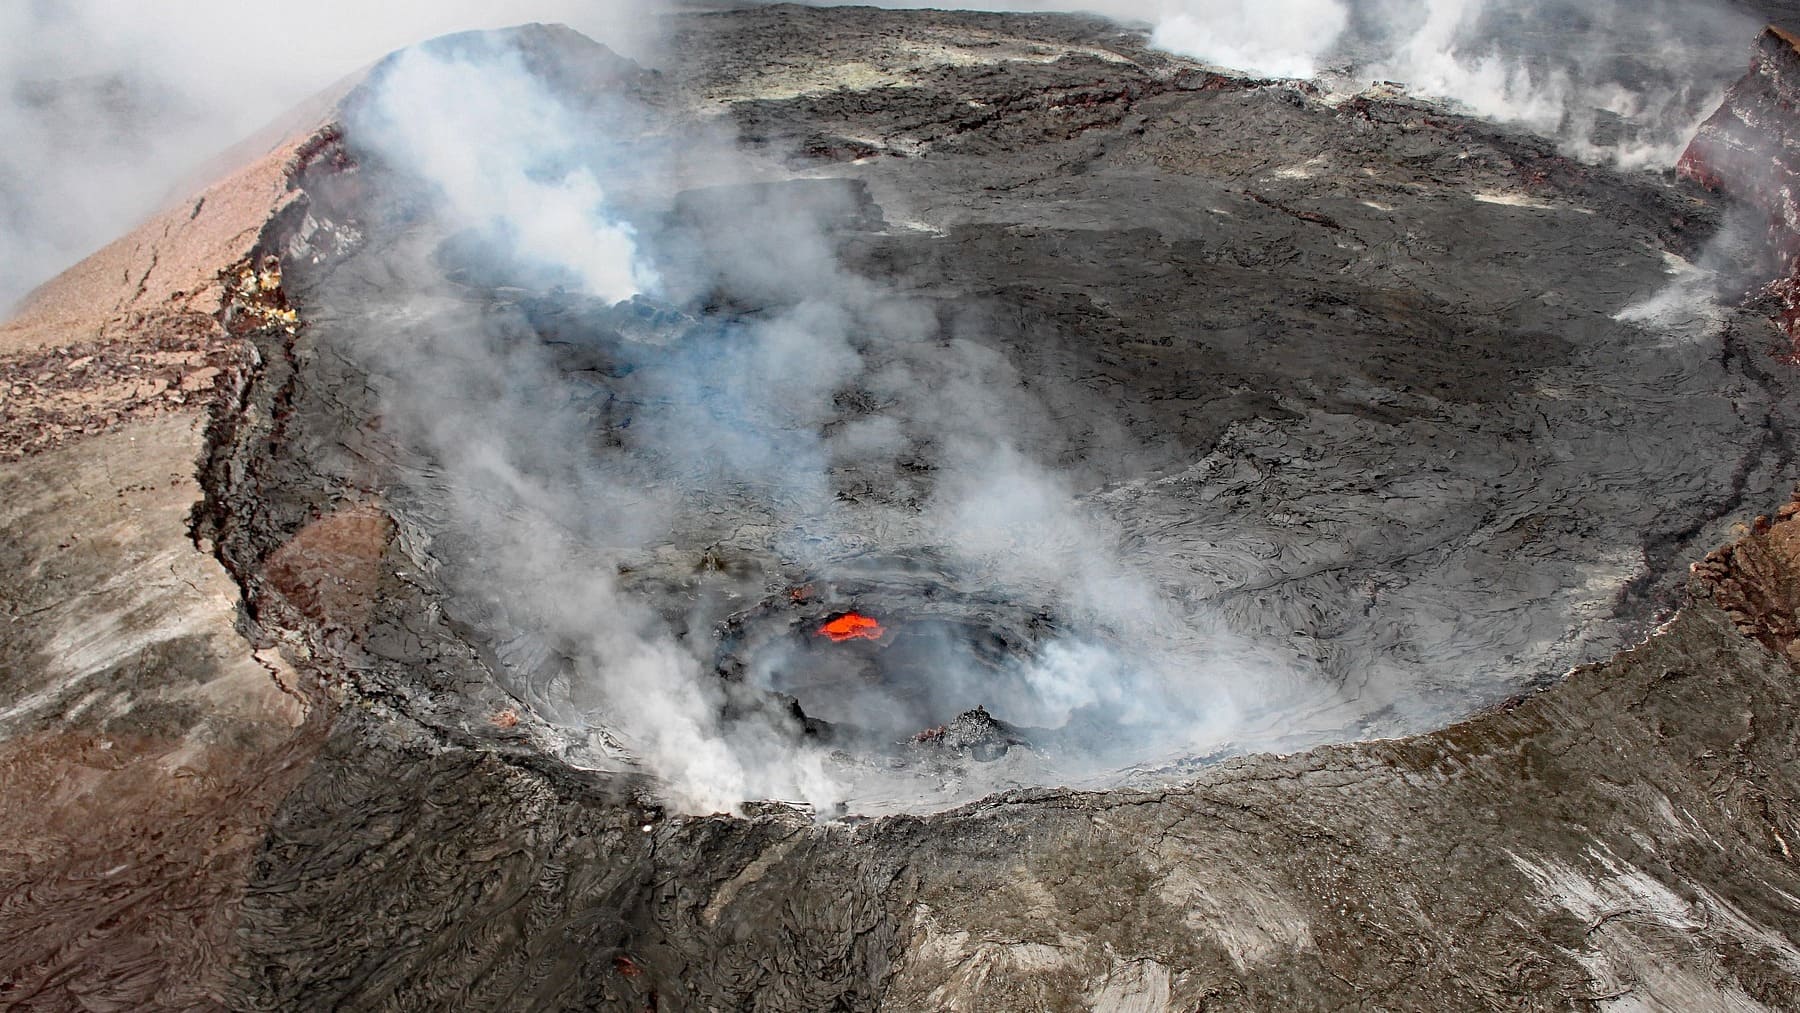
(1278, 38)
(539, 525)
(472, 154)
(539, 507)
(1281, 38)
(1563, 68)
(110, 107)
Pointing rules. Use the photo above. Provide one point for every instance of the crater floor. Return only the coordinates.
(1296, 418)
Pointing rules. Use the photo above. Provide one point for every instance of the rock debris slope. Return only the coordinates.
(1395, 403)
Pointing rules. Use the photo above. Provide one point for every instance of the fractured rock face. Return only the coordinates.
(1744, 146)
(1750, 148)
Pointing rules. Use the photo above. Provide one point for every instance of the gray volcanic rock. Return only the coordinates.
(1385, 417)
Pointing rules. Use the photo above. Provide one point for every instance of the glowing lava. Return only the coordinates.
(851, 626)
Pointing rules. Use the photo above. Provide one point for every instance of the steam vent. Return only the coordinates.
(916, 510)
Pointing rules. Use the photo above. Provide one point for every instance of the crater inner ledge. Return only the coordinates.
(1143, 450)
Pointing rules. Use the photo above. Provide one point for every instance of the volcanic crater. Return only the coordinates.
(969, 511)
(1216, 448)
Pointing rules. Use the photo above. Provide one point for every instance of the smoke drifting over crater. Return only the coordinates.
(1615, 83)
(649, 430)
(656, 405)
(1620, 84)
(112, 109)
(661, 403)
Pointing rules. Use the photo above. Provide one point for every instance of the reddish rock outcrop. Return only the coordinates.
(1756, 580)
(329, 569)
(1750, 148)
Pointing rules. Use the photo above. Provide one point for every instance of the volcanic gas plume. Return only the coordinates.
(639, 377)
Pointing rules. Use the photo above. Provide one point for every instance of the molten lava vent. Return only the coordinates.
(939, 654)
(851, 626)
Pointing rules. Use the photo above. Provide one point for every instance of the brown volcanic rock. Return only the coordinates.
(165, 274)
(138, 328)
(1741, 146)
(330, 568)
(144, 745)
(1756, 579)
